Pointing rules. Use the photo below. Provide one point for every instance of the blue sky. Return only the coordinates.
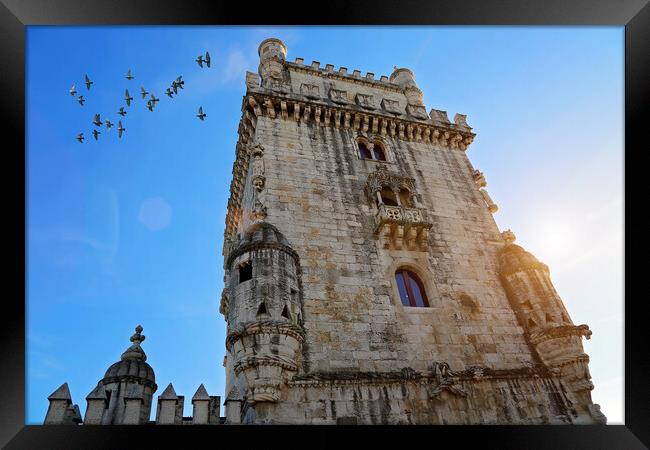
(128, 231)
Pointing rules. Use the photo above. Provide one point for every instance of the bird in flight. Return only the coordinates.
(120, 128)
(80, 137)
(97, 121)
(143, 91)
(88, 82)
(127, 97)
(81, 100)
(154, 100)
(149, 105)
(73, 91)
(200, 60)
(121, 112)
(169, 92)
(201, 114)
(108, 124)
(96, 133)
(175, 87)
(180, 82)
(129, 76)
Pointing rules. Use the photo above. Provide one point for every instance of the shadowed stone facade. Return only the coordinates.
(315, 232)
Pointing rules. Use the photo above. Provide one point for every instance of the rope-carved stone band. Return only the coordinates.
(560, 332)
(129, 379)
(259, 246)
(264, 327)
(266, 360)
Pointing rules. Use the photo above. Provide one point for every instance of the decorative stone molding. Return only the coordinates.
(508, 236)
(365, 101)
(266, 353)
(439, 116)
(597, 415)
(339, 96)
(560, 332)
(461, 121)
(479, 179)
(417, 111)
(258, 213)
(382, 177)
(258, 179)
(341, 114)
(223, 304)
(310, 90)
(391, 106)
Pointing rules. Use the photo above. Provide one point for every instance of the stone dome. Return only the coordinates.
(136, 368)
(132, 364)
(261, 235)
(514, 258)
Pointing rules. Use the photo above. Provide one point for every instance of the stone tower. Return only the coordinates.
(366, 280)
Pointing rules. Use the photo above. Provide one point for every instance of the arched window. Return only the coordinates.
(378, 152)
(363, 151)
(411, 289)
(374, 151)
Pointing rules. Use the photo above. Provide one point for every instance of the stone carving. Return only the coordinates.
(461, 121)
(258, 179)
(366, 101)
(410, 374)
(382, 177)
(444, 376)
(391, 106)
(258, 213)
(508, 236)
(310, 90)
(278, 85)
(417, 111)
(439, 116)
(479, 179)
(252, 80)
(339, 96)
(598, 416)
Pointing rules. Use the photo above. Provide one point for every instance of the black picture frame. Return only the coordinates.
(16, 14)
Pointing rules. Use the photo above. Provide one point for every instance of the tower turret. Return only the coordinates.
(124, 395)
(264, 312)
(406, 80)
(272, 53)
(539, 309)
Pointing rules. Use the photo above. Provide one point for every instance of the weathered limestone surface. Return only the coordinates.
(363, 356)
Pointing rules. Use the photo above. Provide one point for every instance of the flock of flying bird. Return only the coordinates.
(151, 103)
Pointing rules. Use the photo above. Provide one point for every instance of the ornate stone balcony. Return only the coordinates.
(402, 228)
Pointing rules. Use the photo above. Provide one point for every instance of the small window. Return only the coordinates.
(363, 150)
(375, 152)
(245, 272)
(411, 289)
(378, 152)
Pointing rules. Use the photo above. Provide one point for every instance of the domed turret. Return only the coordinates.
(264, 312)
(124, 395)
(406, 80)
(272, 54)
(541, 313)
